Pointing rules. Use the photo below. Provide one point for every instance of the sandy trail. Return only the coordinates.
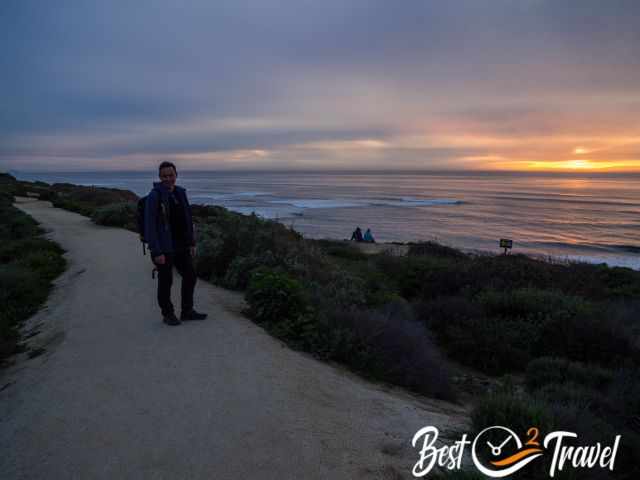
(118, 394)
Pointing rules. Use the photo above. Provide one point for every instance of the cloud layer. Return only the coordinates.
(333, 84)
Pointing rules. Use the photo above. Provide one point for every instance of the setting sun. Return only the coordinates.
(578, 164)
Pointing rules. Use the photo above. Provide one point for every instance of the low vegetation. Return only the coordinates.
(28, 264)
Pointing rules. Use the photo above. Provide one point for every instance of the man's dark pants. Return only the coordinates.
(183, 262)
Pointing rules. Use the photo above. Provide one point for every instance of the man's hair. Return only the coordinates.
(165, 165)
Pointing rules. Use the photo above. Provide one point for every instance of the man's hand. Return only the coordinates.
(159, 260)
(192, 250)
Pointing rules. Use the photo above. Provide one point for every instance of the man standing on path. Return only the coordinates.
(169, 232)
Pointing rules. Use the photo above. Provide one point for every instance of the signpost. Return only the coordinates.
(507, 244)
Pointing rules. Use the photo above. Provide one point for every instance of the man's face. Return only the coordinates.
(168, 177)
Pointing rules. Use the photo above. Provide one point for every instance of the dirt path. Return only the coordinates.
(118, 394)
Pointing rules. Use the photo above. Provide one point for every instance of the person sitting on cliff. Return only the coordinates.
(357, 235)
(169, 232)
(368, 237)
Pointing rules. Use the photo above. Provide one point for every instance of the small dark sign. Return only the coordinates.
(506, 243)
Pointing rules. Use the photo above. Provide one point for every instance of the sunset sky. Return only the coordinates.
(339, 84)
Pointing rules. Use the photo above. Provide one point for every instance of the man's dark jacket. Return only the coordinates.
(157, 226)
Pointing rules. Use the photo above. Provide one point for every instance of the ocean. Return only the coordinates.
(594, 218)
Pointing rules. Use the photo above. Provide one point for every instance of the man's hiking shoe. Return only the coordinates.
(192, 315)
(171, 319)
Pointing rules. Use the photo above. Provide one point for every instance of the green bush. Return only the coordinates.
(388, 343)
(210, 262)
(574, 395)
(494, 345)
(117, 215)
(21, 293)
(86, 199)
(590, 338)
(28, 262)
(47, 264)
(426, 277)
(274, 296)
(624, 393)
(529, 303)
(342, 289)
(14, 250)
(548, 370)
(19, 285)
(513, 411)
(16, 225)
(238, 274)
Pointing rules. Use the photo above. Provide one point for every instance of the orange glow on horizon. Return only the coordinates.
(584, 165)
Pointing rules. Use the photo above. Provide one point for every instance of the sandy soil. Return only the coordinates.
(118, 394)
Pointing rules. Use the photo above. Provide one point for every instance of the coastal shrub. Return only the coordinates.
(214, 254)
(307, 262)
(445, 311)
(624, 393)
(428, 277)
(47, 264)
(392, 267)
(20, 286)
(508, 272)
(529, 303)
(378, 288)
(342, 289)
(341, 249)
(47, 195)
(590, 338)
(494, 345)
(274, 296)
(16, 225)
(239, 271)
(72, 205)
(434, 249)
(383, 344)
(13, 250)
(300, 331)
(400, 347)
(573, 395)
(223, 238)
(28, 262)
(117, 215)
(491, 344)
(86, 199)
(514, 411)
(329, 340)
(548, 370)
(21, 293)
(600, 282)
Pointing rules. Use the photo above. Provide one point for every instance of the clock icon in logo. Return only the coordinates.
(498, 451)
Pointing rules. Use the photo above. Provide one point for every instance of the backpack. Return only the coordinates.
(140, 212)
(142, 203)
(140, 219)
